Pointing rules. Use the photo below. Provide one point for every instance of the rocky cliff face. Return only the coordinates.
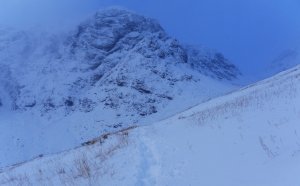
(211, 63)
(114, 59)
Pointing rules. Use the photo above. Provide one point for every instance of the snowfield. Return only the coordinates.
(250, 137)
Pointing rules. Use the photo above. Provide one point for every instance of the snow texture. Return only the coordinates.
(249, 137)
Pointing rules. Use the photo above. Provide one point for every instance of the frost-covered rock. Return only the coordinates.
(8, 89)
(211, 63)
(113, 49)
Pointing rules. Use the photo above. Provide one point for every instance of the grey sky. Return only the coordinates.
(249, 32)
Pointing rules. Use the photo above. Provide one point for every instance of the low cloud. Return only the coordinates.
(250, 33)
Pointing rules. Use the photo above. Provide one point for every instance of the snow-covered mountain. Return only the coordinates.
(249, 137)
(287, 59)
(116, 69)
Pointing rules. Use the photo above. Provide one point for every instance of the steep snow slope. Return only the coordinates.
(117, 69)
(250, 137)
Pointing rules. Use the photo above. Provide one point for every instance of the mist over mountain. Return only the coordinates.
(249, 33)
(151, 97)
(287, 59)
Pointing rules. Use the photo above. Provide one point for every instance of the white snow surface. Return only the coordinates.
(115, 70)
(250, 137)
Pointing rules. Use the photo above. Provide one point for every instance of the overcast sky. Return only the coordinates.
(249, 32)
